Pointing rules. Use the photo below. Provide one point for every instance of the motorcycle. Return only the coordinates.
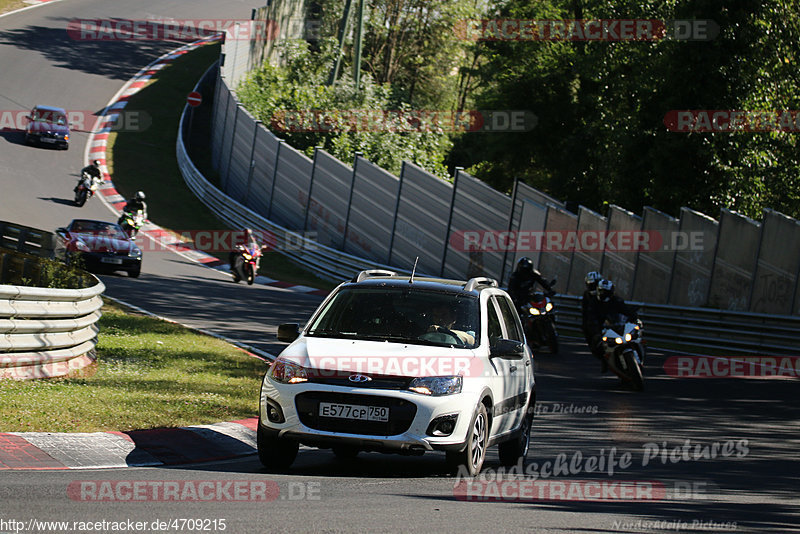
(246, 262)
(624, 350)
(131, 222)
(539, 320)
(86, 188)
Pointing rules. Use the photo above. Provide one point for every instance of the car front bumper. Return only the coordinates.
(405, 437)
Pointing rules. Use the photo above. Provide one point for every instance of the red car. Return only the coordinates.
(48, 126)
(103, 246)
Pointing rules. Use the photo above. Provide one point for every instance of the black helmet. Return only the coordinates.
(96, 163)
(139, 195)
(592, 278)
(605, 290)
(525, 265)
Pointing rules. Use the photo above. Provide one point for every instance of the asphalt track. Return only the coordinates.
(753, 487)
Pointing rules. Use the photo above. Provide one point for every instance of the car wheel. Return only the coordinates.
(472, 457)
(345, 452)
(135, 273)
(513, 450)
(275, 453)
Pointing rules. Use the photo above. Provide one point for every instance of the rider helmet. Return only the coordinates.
(525, 265)
(140, 195)
(605, 290)
(592, 278)
(96, 163)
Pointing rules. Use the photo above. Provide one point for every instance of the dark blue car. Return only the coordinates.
(48, 126)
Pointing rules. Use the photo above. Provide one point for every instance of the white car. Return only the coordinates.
(406, 365)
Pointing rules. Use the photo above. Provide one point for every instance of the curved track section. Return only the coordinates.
(721, 454)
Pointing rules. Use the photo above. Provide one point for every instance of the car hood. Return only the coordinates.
(99, 243)
(381, 358)
(47, 127)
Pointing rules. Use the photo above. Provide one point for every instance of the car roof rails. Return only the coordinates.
(473, 283)
(363, 275)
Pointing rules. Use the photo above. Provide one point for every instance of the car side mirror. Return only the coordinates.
(288, 332)
(507, 349)
(61, 230)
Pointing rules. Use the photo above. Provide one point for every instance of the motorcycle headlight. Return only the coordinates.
(247, 256)
(437, 386)
(288, 372)
(535, 311)
(548, 307)
(618, 340)
(628, 337)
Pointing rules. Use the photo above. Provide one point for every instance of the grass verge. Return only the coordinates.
(149, 374)
(145, 160)
(10, 5)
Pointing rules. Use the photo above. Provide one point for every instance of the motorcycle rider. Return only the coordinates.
(93, 170)
(250, 244)
(589, 314)
(523, 280)
(135, 204)
(607, 305)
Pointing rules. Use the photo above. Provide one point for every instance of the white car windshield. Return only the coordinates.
(401, 315)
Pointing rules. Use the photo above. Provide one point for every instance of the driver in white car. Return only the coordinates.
(444, 318)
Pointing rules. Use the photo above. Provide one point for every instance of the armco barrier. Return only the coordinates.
(326, 262)
(47, 332)
(696, 329)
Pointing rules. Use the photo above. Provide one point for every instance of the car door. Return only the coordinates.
(516, 383)
(500, 369)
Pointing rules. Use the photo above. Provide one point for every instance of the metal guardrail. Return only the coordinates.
(328, 263)
(44, 332)
(692, 329)
(26, 239)
(680, 328)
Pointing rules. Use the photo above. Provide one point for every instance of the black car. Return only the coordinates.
(48, 126)
(103, 246)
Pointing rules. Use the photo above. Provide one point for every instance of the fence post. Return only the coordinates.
(224, 123)
(350, 199)
(224, 179)
(310, 188)
(252, 164)
(450, 219)
(510, 227)
(396, 210)
(274, 177)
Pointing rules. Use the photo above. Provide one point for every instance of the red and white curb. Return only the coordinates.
(136, 448)
(96, 150)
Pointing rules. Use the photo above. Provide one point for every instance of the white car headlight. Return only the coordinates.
(81, 246)
(288, 372)
(437, 386)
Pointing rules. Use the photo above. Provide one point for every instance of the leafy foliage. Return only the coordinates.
(270, 93)
(601, 135)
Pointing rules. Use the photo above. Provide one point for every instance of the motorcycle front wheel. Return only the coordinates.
(249, 274)
(634, 371)
(80, 197)
(552, 337)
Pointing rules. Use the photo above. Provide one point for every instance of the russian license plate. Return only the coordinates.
(115, 261)
(354, 411)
